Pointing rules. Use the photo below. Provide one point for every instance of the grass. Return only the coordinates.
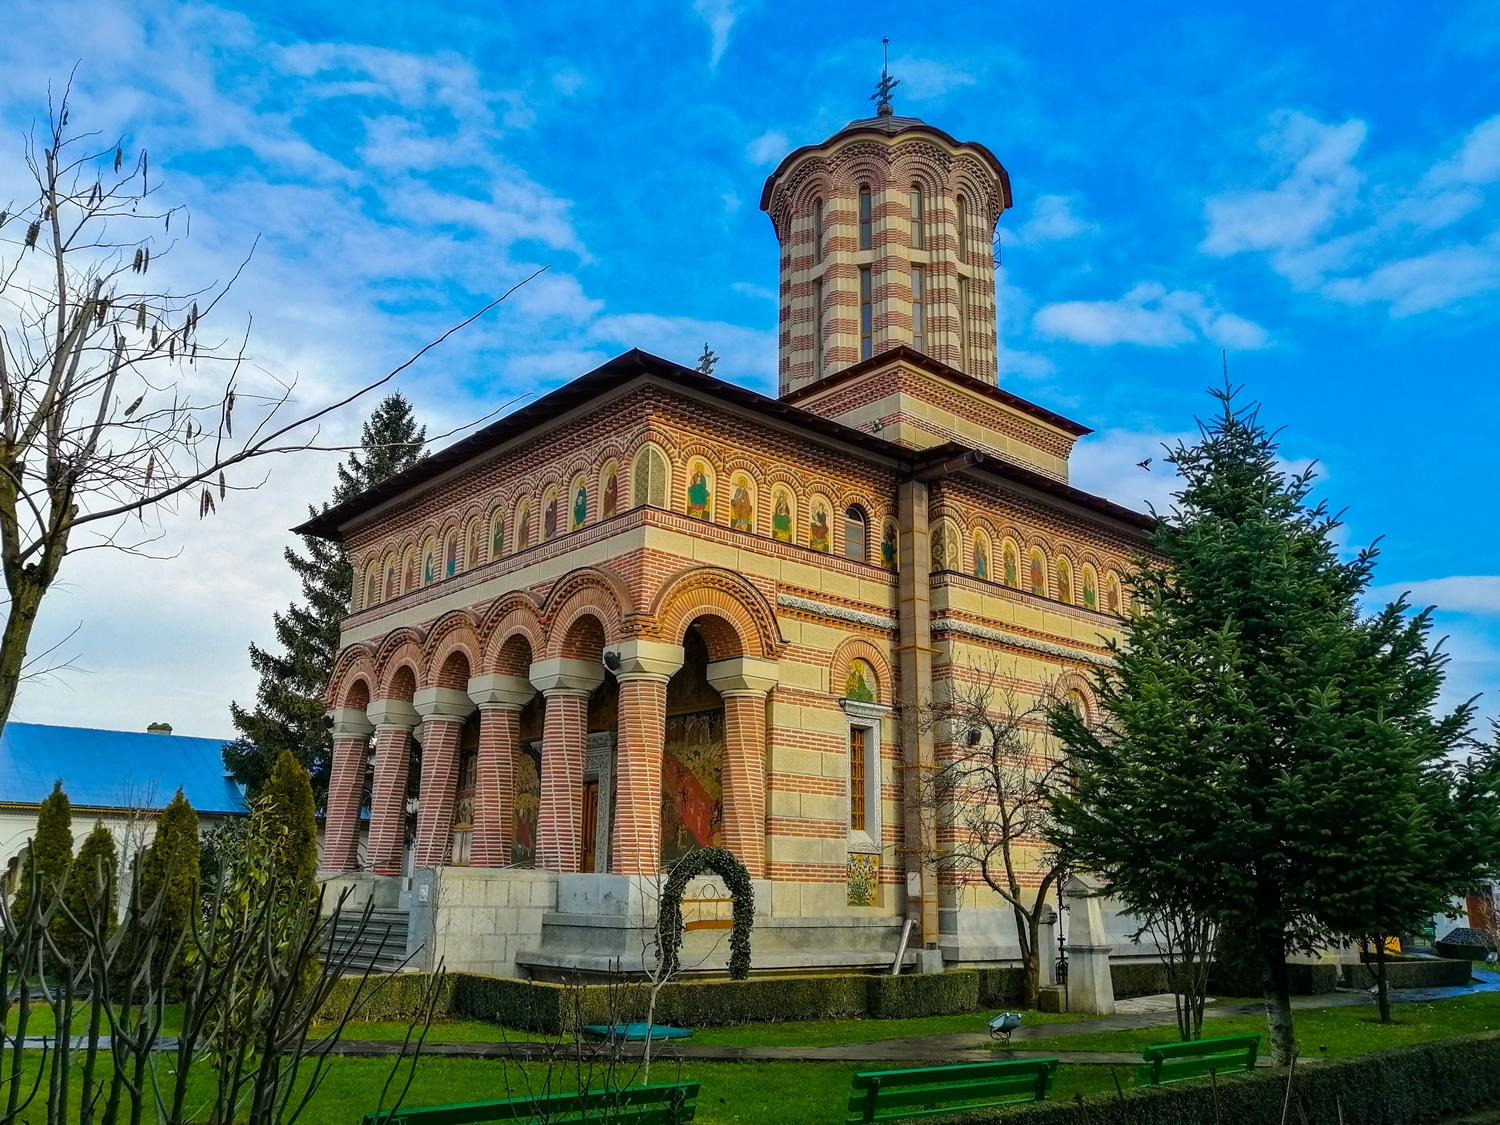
(1321, 1032)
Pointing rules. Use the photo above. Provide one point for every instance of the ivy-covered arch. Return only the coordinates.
(736, 881)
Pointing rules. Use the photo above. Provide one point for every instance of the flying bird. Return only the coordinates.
(1146, 464)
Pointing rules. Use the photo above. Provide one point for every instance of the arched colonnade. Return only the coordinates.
(544, 659)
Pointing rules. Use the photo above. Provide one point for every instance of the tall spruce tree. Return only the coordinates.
(288, 713)
(1266, 755)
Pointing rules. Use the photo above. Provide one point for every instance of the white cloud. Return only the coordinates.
(1052, 220)
(926, 78)
(719, 16)
(1150, 316)
(1471, 593)
(1405, 246)
(1107, 464)
(767, 148)
(760, 292)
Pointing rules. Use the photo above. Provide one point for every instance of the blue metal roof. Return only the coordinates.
(114, 768)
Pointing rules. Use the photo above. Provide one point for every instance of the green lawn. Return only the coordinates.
(1321, 1032)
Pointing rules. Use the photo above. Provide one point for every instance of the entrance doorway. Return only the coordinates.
(590, 832)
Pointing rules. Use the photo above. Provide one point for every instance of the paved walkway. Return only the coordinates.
(961, 1047)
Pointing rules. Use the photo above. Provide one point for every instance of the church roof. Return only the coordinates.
(636, 364)
(114, 769)
(891, 126)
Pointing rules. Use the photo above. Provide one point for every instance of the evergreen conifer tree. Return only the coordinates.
(96, 857)
(288, 713)
(172, 859)
(50, 852)
(1266, 755)
(285, 827)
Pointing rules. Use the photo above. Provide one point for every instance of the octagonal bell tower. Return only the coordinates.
(886, 231)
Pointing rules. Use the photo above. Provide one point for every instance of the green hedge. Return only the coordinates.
(1426, 1082)
(1139, 978)
(1410, 974)
(1304, 980)
(555, 1009)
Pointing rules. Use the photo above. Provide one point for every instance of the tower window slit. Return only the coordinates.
(866, 313)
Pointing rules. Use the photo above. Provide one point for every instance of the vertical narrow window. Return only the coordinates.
(918, 217)
(919, 308)
(961, 231)
(858, 747)
(817, 230)
(854, 534)
(818, 322)
(866, 313)
(963, 324)
(866, 219)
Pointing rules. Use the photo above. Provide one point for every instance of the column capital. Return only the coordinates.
(744, 675)
(444, 705)
(500, 692)
(348, 723)
(639, 658)
(393, 714)
(563, 676)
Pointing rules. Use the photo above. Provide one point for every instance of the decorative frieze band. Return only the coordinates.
(1017, 640)
(837, 612)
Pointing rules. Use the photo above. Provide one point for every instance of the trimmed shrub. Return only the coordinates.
(95, 859)
(1001, 988)
(285, 823)
(388, 997)
(51, 851)
(1140, 978)
(933, 994)
(1426, 1082)
(1416, 973)
(1303, 980)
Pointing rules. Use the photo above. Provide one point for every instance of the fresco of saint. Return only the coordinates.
(699, 498)
(580, 506)
(611, 497)
(1064, 582)
(450, 565)
(817, 533)
(523, 532)
(497, 543)
(981, 558)
(549, 519)
(858, 684)
(1010, 565)
(427, 574)
(741, 518)
(1113, 596)
(888, 547)
(1090, 594)
(1038, 579)
(781, 521)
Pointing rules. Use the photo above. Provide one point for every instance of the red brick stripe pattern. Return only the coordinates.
(388, 802)
(439, 779)
(745, 780)
(494, 806)
(558, 823)
(636, 847)
(341, 852)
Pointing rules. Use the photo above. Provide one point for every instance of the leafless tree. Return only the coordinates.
(1185, 942)
(989, 796)
(116, 402)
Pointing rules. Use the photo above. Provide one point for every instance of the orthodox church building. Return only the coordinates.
(653, 610)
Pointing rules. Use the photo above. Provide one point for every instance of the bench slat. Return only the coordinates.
(1179, 1062)
(640, 1105)
(889, 1095)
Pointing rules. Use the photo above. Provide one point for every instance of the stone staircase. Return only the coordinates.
(381, 948)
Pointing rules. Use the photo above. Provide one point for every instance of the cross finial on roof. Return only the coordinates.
(882, 95)
(706, 361)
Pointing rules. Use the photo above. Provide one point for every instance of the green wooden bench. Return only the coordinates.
(1178, 1062)
(890, 1095)
(638, 1105)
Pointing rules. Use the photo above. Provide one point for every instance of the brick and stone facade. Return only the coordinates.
(652, 609)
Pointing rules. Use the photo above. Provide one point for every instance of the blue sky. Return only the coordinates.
(1313, 188)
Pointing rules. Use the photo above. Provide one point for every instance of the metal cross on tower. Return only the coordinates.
(882, 95)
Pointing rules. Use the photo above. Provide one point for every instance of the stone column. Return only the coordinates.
(1090, 986)
(642, 668)
(351, 734)
(443, 712)
(914, 598)
(394, 720)
(500, 700)
(744, 682)
(566, 685)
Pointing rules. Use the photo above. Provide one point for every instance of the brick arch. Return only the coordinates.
(454, 672)
(516, 615)
(710, 591)
(585, 592)
(355, 664)
(401, 677)
(1075, 681)
(858, 648)
(454, 632)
